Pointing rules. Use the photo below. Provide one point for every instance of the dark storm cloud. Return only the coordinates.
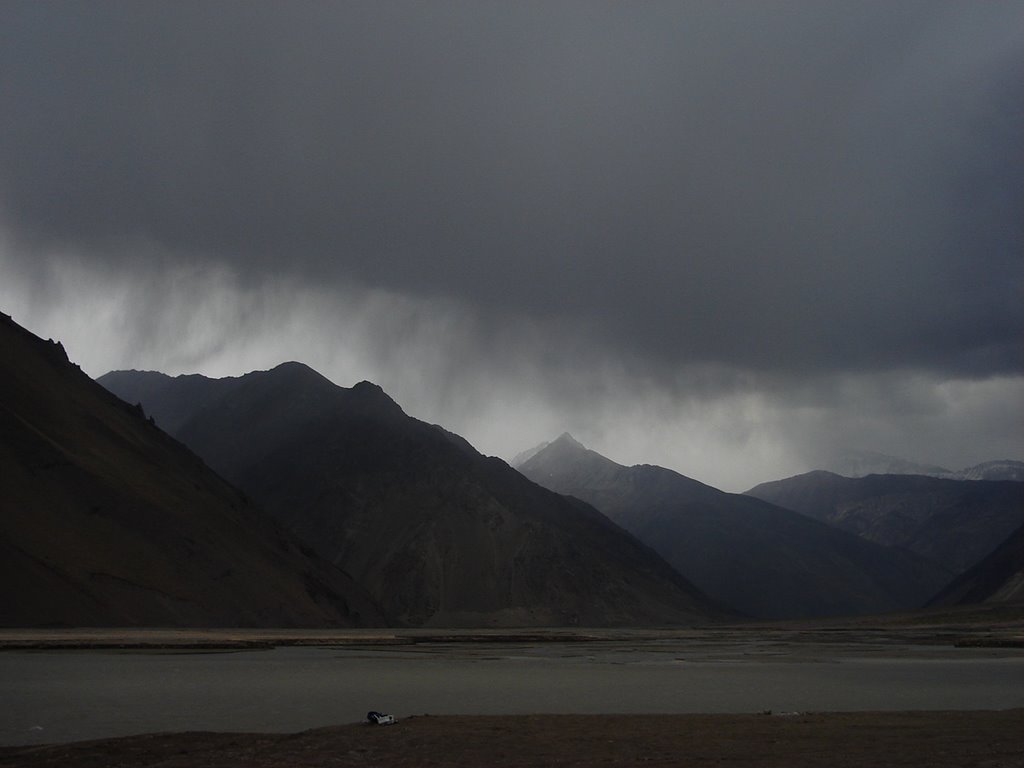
(725, 237)
(770, 186)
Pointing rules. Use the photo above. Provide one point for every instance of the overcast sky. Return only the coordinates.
(725, 237)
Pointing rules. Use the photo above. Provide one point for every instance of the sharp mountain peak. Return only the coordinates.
(566, 439)
(369, 394)
(292, 373)
(566, 450)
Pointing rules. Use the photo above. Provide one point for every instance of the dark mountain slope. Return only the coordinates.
(438, 533)
(106, 520)
(998, 578)
(953, 522)
(764, 560)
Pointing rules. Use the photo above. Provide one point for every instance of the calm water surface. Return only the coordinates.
(64, 696)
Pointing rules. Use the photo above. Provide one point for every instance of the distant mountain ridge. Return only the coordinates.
(864, 463)
(1000, 469)
(766, 561)
(437, 533)
(105, 520)
(953, 522)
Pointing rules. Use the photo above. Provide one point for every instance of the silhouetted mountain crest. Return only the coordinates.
(296, 368)
(366, 394)
(436, 532)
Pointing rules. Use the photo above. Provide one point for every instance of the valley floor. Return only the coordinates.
(993, 738)
(935, 739)
(996, 625)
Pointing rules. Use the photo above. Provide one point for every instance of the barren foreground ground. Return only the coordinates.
(934, 739)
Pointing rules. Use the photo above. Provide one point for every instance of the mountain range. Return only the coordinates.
(437, 533)
(864, 463)
(955, 523)
(107, 521)
(766, 561)
(278, 498)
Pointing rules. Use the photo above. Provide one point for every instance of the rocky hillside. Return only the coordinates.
(436, 532)
(955, 523)
(105, 520)
(999, 578)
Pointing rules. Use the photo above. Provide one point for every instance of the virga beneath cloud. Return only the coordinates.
(714, 236)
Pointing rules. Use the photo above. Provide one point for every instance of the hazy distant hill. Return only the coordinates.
(438, 533)
(864, 463)
(764, 560)
(106, 520)
(953, 522)
(997, 578)
(1001, 469)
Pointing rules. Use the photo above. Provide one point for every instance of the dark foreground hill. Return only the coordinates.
(766, 561)
(436, 532)
(107, 521)
(955, 523)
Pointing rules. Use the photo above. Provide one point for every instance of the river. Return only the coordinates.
(58, 696)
